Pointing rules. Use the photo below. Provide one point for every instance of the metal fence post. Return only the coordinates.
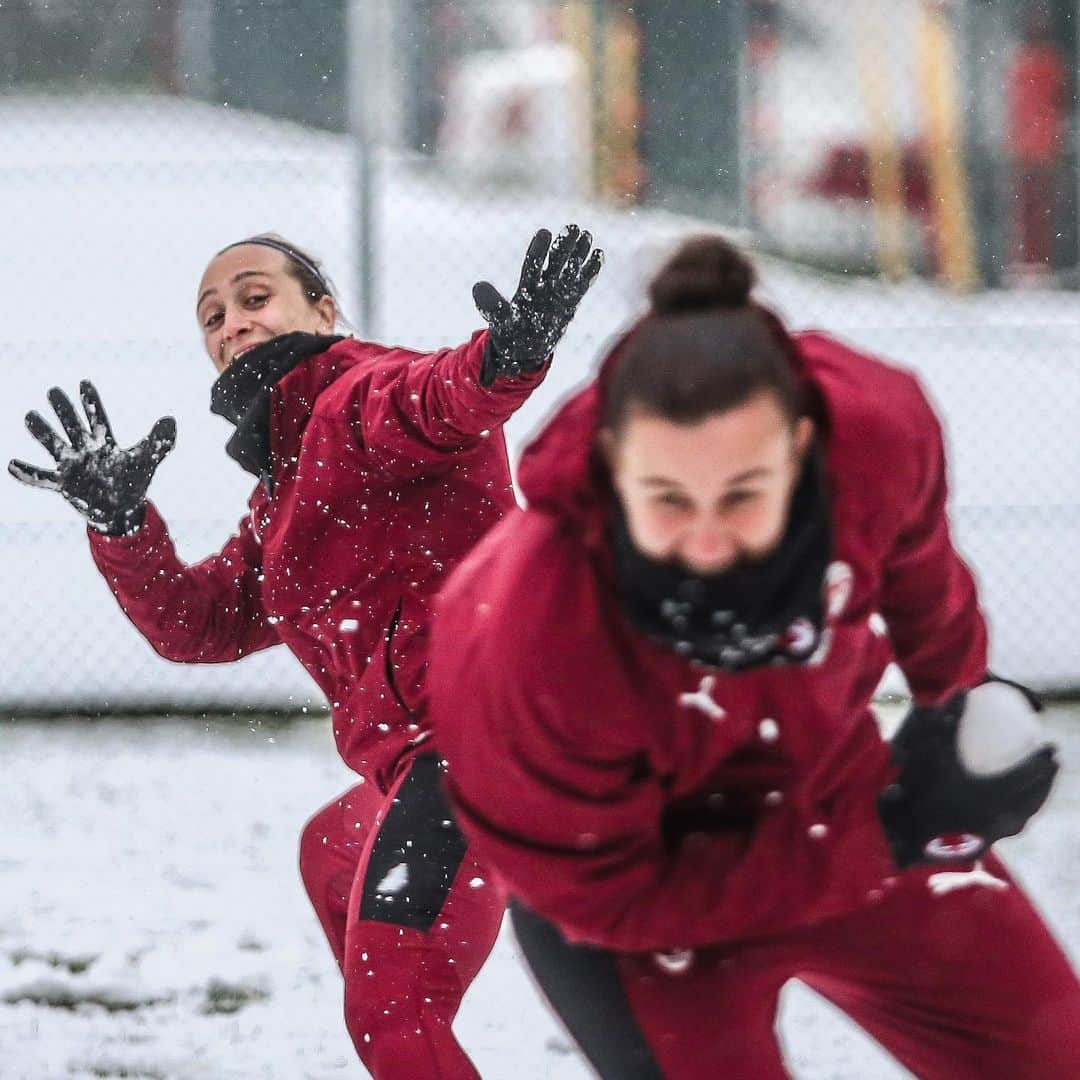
(363, 27)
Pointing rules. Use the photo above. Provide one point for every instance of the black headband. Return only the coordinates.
(287, 251)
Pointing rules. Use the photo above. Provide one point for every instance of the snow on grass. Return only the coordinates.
(153, 925)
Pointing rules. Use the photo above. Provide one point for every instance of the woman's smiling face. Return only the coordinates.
(248, 296)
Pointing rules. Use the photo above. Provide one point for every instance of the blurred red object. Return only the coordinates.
(845, 174)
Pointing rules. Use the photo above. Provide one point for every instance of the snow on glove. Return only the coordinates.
(972, 771)
(106, 484)
(526, 328)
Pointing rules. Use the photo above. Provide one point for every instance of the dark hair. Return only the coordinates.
(305, 268)
(705, 347)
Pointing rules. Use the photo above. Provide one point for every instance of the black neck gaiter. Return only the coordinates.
(770, 611)
(241, 394)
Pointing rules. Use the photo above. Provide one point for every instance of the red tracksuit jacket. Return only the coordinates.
(388, 466)
(645, 803)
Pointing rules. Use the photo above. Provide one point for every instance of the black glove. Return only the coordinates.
(105, 484)
(526, 328)
(947, 805)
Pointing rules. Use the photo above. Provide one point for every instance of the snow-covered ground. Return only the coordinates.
(111, 208)
(153, 926)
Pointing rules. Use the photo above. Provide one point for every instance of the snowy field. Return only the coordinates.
(112, 207)
(153, 926)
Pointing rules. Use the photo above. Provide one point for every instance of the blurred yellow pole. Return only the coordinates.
(944, 142)
(622, 106)
(576, 26)
(884, 163)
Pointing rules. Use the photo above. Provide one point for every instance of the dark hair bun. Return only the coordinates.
(706, 272)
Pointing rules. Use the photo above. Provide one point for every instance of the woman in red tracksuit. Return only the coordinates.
(378, 469)
(652, 690)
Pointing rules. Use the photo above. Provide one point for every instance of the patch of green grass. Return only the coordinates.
(224, 998)
(76, 965)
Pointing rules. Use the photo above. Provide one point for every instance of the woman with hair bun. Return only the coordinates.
(377, 468)
(652, 689)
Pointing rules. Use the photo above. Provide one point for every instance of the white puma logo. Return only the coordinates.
(949, 881)
(702, 699)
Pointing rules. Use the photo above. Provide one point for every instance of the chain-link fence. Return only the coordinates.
(415, 146)
(921, 137)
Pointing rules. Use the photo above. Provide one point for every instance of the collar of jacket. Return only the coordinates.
(243, 392)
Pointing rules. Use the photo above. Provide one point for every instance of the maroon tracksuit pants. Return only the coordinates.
(410, 917)
(968, 985)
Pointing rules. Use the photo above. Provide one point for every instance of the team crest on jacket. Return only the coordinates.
(800, 639)
(954, 846)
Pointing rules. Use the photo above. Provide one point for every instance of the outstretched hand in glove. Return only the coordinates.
(105, 483)
(526, 328)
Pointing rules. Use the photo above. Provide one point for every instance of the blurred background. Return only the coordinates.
(905, 170)
(905, 173)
